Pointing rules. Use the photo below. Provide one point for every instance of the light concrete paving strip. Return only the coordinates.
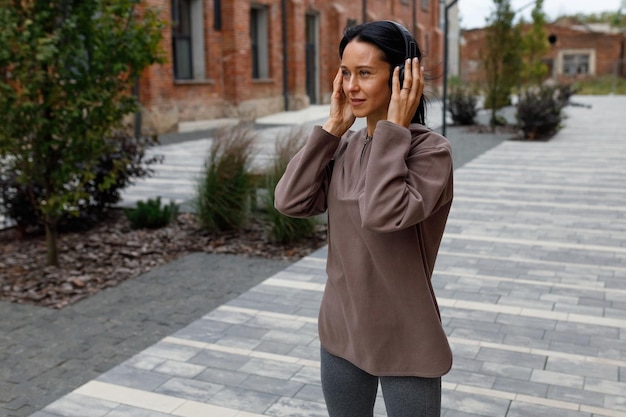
(156, 402)
(542, 243)
(599, 287)
(513, 168)
(465, 184)
(454, 340)
(532, 312)
(516, 203)
(473, 305)
(521, 259)
(512, 227)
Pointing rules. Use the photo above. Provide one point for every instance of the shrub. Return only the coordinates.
(223, 190)
(281, 228)
(462, 103)
(539, 112)
(125, 156)
(151, 215)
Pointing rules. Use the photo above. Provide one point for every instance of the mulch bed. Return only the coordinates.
(112, 252)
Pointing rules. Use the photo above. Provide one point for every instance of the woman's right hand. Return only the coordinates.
(341, 117)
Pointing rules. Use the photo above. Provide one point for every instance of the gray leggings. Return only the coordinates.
(351, 392)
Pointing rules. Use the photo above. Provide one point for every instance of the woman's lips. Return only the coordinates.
(357, 102)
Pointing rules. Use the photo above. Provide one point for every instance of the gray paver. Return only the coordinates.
(529, 279)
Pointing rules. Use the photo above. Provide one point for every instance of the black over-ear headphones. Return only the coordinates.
(410, 48)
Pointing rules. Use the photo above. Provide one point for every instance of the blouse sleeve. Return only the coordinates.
(406, 180)
(302, 190)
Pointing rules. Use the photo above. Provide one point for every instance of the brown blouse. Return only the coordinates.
(388, 201)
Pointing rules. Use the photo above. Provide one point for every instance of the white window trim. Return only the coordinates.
(197, 40)
(589, 51)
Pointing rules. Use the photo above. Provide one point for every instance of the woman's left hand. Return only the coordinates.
(405, 100)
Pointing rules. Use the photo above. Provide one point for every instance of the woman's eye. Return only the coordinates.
(345, 74)
(364, 73)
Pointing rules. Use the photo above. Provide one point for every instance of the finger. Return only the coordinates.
(418, 77)
(395, 80)
(338, 81)
(408, 76)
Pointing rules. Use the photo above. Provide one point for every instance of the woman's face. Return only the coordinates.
(366, 80)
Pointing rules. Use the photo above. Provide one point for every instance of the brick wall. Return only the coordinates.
(606, 49)
(228, 89)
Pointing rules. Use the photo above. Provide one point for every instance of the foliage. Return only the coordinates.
(151, 215)
(463, 105)
(502, 57)
(125, 154)
(66, 74)
(535, 46)
(224, 189)
(608, 84)
(616, 19)
(281, 228)
(539, 111)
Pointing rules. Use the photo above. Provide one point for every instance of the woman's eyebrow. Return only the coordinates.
(359, 66)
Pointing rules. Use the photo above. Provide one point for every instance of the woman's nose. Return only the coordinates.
(353, 84)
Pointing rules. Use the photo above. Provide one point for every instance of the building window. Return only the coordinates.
(576, 64)
(425, 4)
(188, 39)
(259, 41)
(181, 39)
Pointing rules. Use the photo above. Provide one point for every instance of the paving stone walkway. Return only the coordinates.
(531, 280)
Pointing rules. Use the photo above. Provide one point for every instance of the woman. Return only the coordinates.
(388, 191)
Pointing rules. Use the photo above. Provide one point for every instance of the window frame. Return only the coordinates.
(577, 58)
(259, 41)
(193, 36)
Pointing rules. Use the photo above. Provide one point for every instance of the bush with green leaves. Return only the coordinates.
(151, 215)
(281, 228)
(126, 156)
(463, 105)
(539, 112)
(224, 189)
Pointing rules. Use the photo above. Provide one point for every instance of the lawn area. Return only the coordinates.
(602, 85)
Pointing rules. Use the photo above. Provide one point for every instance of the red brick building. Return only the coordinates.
(245, 59)
(576, 51)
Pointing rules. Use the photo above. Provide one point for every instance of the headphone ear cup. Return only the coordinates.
(401, 77)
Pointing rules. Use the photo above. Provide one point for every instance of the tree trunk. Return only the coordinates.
(52, 254)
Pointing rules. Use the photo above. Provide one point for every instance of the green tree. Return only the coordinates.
(535, 46)
(501, 57)
(67, 68)
(616, 19)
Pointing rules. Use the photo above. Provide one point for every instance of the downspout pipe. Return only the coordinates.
(445, 67)
(414, 20)
(364, 11)
(283, 5)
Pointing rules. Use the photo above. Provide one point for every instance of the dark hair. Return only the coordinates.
(391, 39)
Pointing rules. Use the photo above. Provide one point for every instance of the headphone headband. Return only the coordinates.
(410, 47)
